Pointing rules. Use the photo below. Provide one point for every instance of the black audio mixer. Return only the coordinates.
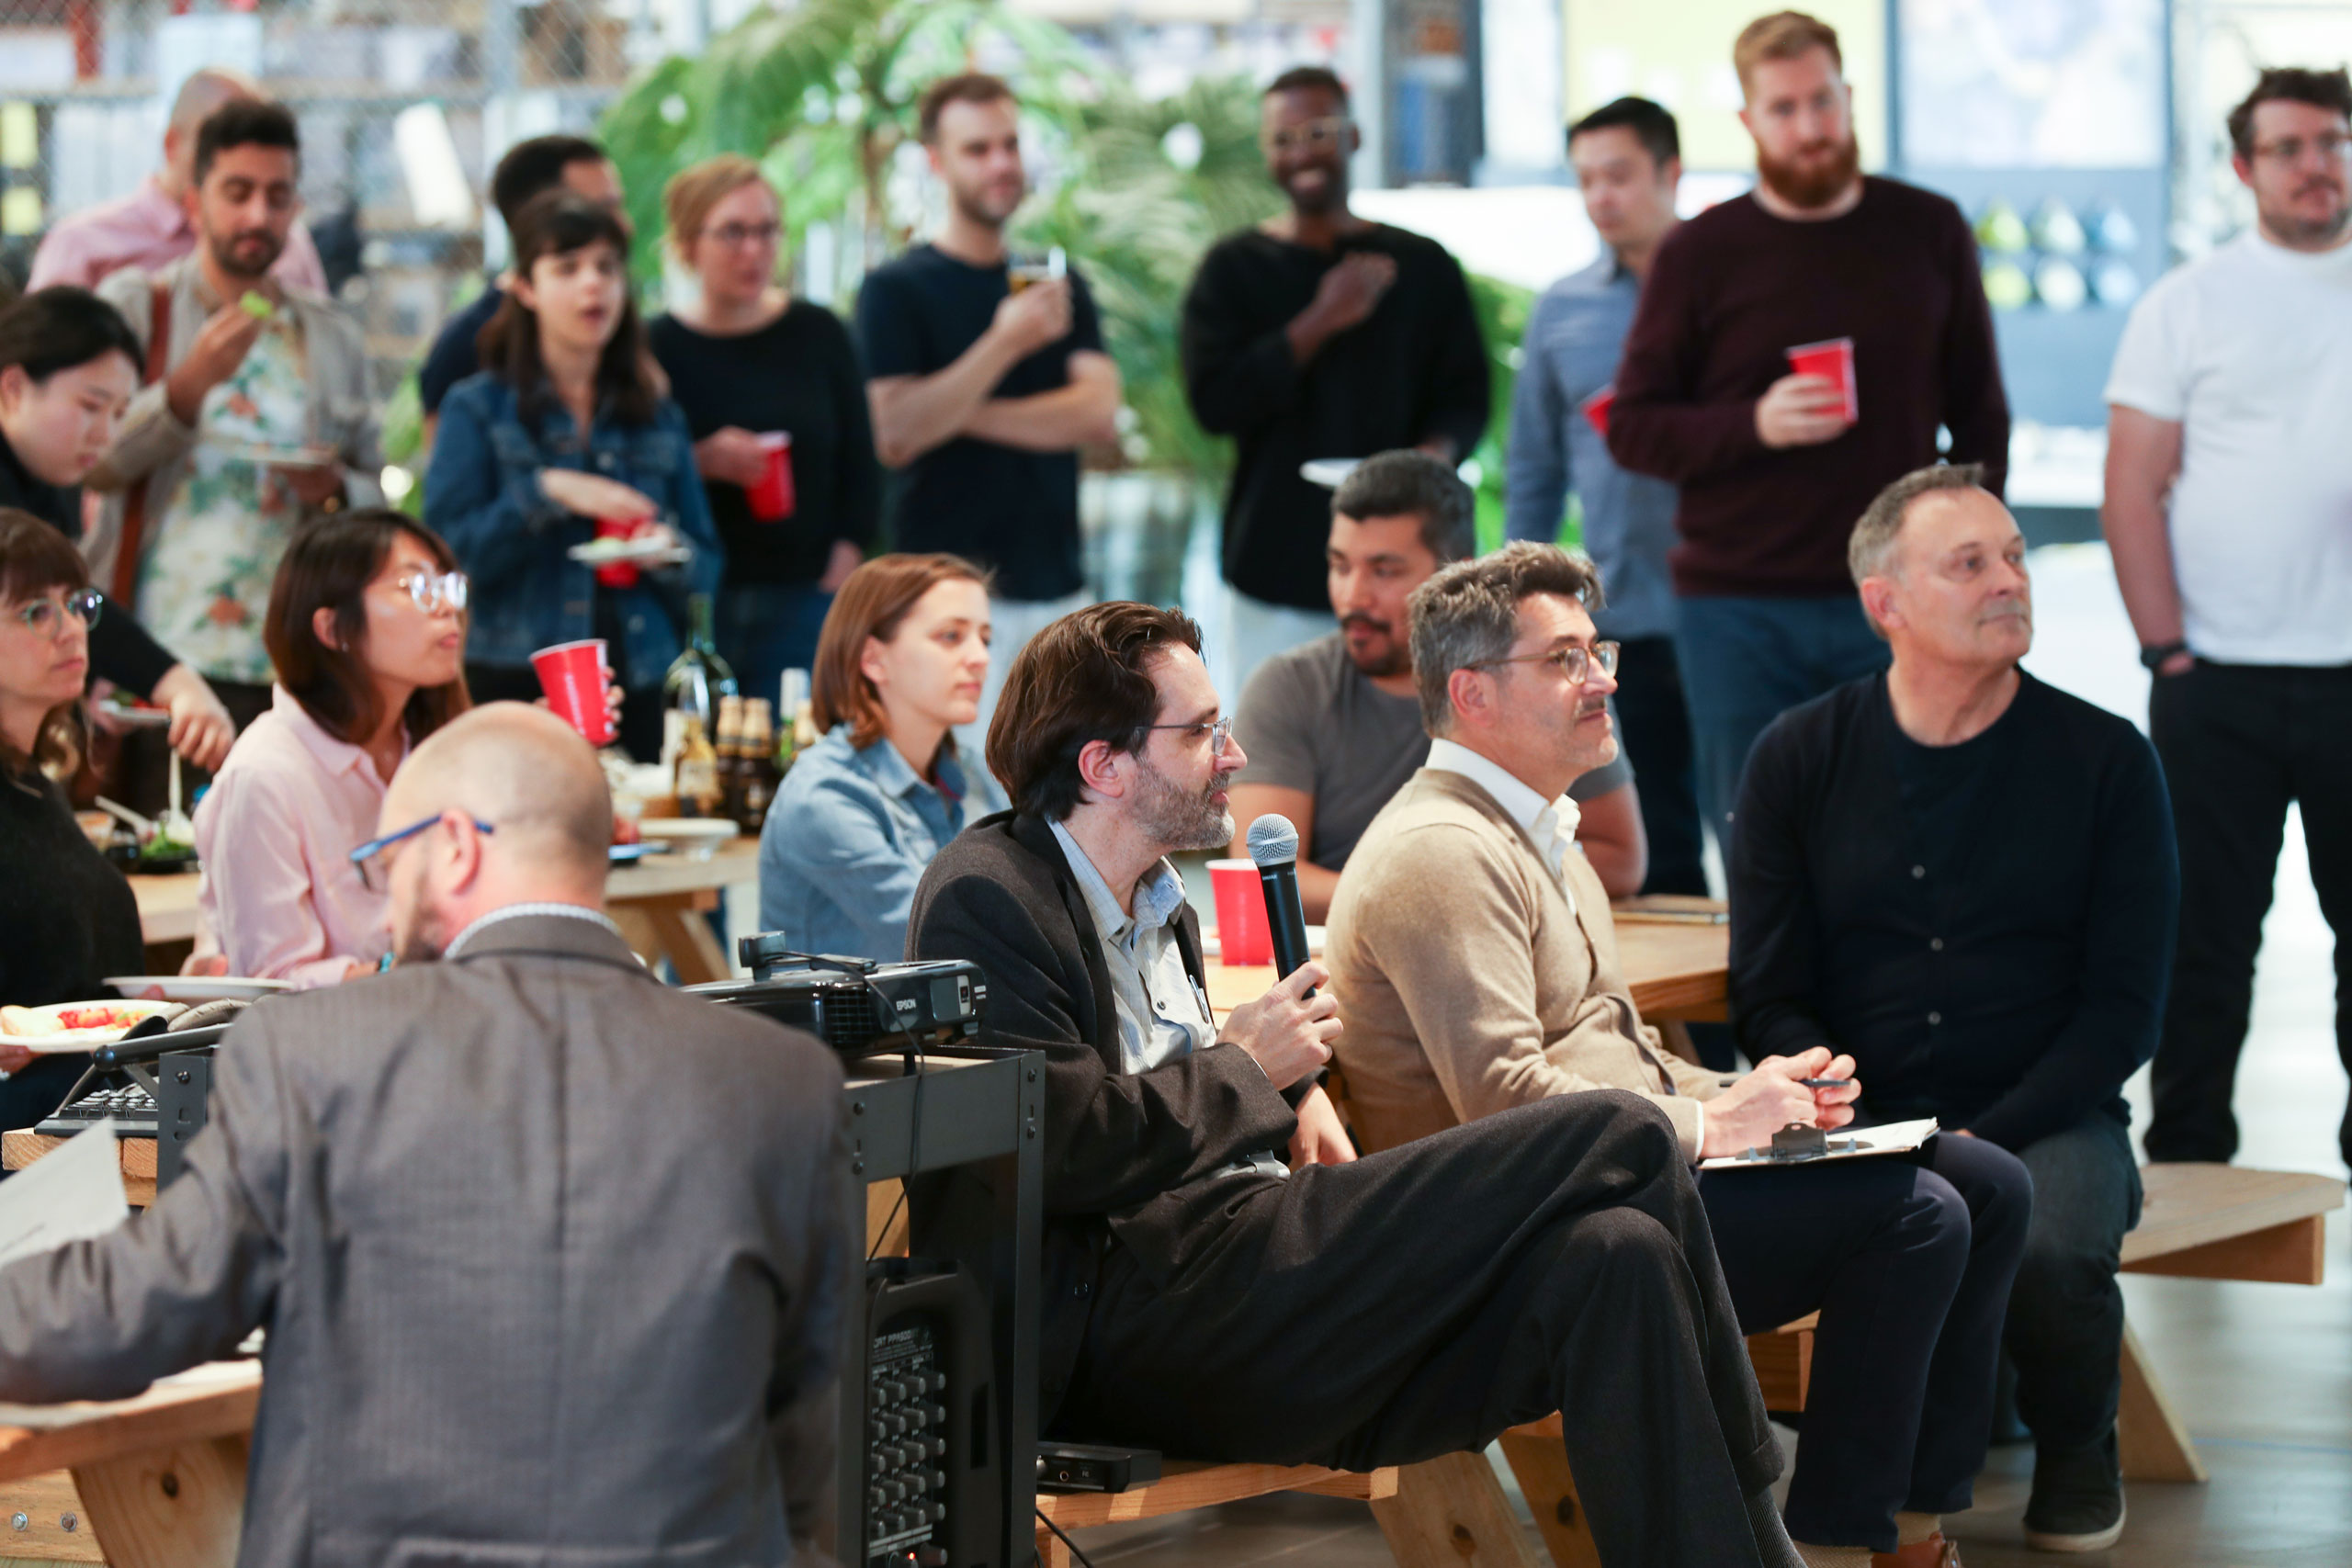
(905, 1449)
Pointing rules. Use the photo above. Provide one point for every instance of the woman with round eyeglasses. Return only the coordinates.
(367, 631)
(67, 919)
(748, 363)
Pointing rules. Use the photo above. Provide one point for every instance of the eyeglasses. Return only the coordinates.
(2291, 149)
(1574, 664)
(433, 590)
(46, 618)
(376, 879)
(1219, 731)
(1316, 134)
(734, 234)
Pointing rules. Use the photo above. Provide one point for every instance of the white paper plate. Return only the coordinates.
(1329, 472)
(687, 830)
(630, 552)
(22, 1026)
(274, 456)
(194, 988)
(134, 719)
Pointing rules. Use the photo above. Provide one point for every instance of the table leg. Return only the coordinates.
(177, 1508)
(1450, 1512)
(2154, 1439)
(674, 927)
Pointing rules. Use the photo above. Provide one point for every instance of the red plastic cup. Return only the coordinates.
(619, 574)
(573, 675)
(1243, 937)
(1834, 360)
(772, 497)
(1595, 409)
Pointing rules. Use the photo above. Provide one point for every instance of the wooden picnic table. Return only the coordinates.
(658, 902)
(1678, 969)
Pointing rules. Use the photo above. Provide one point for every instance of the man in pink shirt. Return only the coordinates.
(150, 228)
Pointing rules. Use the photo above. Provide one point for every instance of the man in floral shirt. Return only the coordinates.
(254, 416)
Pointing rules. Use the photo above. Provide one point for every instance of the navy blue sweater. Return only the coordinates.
(1987, 928)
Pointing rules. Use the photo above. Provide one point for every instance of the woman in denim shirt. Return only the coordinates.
(514, 485)
(902, 659)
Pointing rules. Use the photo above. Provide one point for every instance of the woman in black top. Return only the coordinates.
(746, 360)
(68, 919)
(68, 368)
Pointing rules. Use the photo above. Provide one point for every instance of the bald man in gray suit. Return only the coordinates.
(555, 1262)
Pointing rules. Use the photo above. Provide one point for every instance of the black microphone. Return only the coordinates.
(1273, 847)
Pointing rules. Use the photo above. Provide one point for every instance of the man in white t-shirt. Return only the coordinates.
(2229, 510)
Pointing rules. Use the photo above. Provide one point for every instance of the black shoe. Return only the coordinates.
(2077, 1503)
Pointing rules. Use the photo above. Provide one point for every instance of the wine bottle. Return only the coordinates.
(698, 678)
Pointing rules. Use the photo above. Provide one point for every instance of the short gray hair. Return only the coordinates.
(1881, 525)
(1468, 613)
(1414, 484)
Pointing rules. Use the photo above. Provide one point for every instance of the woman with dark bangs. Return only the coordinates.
(565, 434)
(68, 919)
(367, 632)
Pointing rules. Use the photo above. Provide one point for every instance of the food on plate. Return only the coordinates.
(93, 1021)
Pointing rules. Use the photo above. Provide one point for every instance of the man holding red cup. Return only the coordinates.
(1794, 352)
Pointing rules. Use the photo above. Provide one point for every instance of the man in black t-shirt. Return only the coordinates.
(541, 164)
(982, 392)
(1319, 335)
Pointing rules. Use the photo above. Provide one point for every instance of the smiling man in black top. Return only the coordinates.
(1318, 334)
(982, 392)
(1966, 879)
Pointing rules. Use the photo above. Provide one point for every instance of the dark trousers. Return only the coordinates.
(1909, 1267)
(2239, 743)
(1423, 1300)
(765, 629)
(2065, 1327)
(1657, 730)
(144, 771)
(1746, 661)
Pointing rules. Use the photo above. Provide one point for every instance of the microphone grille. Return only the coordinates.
(1272, 840)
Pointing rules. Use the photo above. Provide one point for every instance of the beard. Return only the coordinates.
(1592, 751)
(425, 939)
(1396, 660)
(1811, 181)
(225, 252)
(2315, 230)
(1171, 815)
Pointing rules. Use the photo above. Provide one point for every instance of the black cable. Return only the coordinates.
(1065, 1539)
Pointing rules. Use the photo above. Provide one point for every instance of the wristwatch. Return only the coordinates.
(2152, 655)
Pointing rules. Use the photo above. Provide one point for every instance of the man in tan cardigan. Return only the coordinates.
(1476, 962)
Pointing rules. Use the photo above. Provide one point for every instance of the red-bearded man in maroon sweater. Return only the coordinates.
(1772, 470)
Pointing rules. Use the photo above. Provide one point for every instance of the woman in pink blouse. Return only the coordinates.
(366, 630)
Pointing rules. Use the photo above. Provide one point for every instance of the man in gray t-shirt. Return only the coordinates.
(1332, 727)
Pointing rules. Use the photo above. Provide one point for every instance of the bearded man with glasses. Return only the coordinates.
(1474, 949)
(1205, 1298)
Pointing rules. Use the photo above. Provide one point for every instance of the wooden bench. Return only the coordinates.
(2212, 1222)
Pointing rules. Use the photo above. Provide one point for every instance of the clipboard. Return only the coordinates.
(1861, 1143)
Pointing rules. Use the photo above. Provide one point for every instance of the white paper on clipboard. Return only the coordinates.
(74, 1191)
(1893, 1138)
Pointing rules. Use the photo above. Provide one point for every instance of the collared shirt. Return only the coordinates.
(848, 836)
(1163, 1014)
(1552, 824)
(527, 911)
(147, 230)
(280, 897)
(1569, 354)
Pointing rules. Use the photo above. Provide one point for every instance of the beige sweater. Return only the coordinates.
(1467, 983)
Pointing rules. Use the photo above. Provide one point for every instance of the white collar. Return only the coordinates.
(520, 911)
(1510, 792)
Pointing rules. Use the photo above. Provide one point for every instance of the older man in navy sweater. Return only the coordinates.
(1966, 880)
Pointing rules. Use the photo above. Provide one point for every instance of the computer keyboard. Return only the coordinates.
(133, 1108)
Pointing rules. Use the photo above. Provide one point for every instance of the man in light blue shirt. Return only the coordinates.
(1627, 158)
